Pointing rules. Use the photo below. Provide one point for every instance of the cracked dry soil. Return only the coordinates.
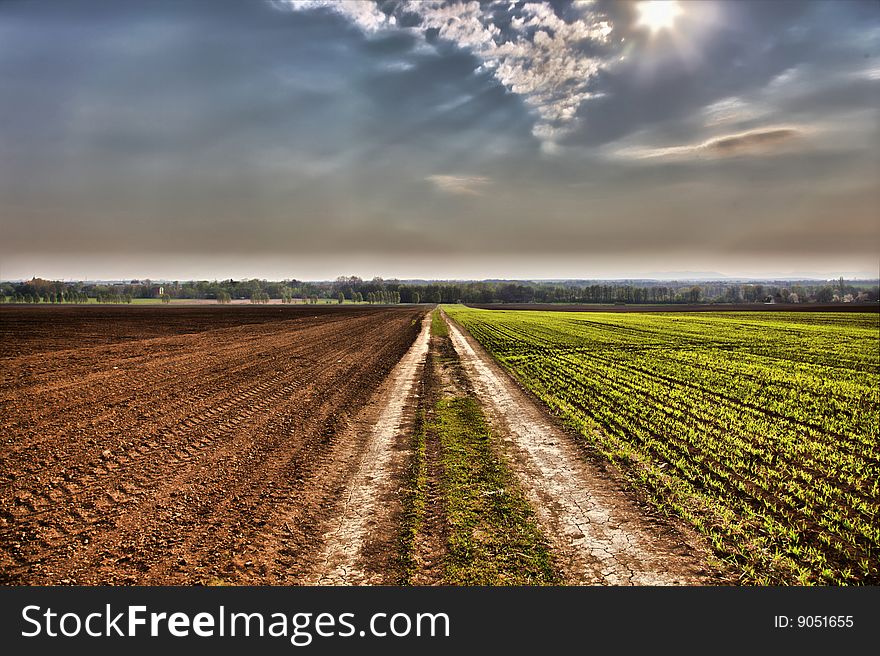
(360, 541)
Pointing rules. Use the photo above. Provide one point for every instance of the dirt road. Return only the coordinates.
(361, 536)
(599, 536)
(211, 457)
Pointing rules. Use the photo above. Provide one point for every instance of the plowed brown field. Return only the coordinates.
(181, 445)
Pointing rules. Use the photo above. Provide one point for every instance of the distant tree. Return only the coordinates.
(824, 294)
(341, 298)
(415, 297)
(166, 298)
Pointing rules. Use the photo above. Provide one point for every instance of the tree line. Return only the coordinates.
(377, 291)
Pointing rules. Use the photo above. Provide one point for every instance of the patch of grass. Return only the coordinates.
(414, 499)
(438, 325)
(493, 536)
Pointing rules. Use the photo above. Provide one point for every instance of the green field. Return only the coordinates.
(761, 430)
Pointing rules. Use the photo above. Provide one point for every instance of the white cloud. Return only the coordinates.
(366, 15)
(763, 141)
(542, 58)
(785, 80)
(398, 66)
(459, 185)
(732, 110)
(870, 73)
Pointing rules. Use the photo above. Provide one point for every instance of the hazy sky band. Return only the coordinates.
(164, 134)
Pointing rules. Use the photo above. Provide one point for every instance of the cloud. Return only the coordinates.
(757, 141)
(541, 59)
(786, 79)
(538, 55)
(766, 141)
(459, 185)
(732, 110)
(871, 73)
(366, 15)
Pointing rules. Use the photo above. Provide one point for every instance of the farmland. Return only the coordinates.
(182, 445)
(760, 430)
(30, 329)
(344, 444)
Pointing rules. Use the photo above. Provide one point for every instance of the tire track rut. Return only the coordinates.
(366, 517)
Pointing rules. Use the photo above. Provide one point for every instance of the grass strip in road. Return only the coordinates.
(465, 520)
(493, 536)
(414, 501)
(438, 325)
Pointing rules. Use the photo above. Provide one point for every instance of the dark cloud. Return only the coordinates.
(749, 45)
(238, 127)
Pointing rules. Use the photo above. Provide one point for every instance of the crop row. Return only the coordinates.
(763, 431)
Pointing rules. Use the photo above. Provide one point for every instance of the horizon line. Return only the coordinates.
(646, 278)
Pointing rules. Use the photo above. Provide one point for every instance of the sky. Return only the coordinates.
(275, 139)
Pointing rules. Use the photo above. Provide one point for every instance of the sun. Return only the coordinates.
(658, 15)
